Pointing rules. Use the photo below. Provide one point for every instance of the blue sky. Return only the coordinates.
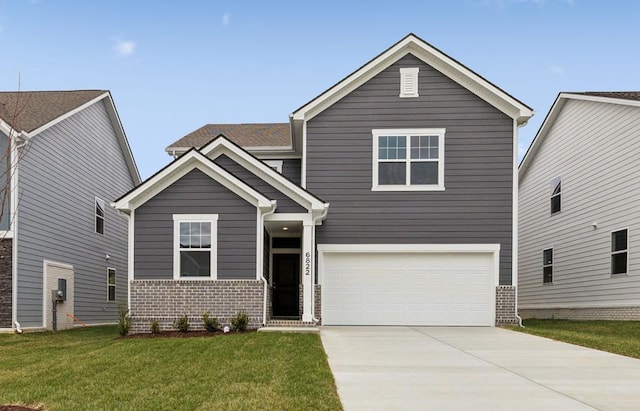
(173, 66)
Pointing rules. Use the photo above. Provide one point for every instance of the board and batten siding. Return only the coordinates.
(594, 147)
(474, 208)
(61, 172)
(285, 204)
(195, 193)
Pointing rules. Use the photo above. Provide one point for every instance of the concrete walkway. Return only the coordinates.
(434, 368)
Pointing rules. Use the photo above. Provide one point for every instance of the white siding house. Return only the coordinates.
(579, 210)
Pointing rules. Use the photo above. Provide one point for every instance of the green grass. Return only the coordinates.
(91, 368)
(619, 337)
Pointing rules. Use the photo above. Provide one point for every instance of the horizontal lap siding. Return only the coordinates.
(594, 147)
(195, 193)
(62, 170)
(292, 169)
(476, 206)
(285, 204)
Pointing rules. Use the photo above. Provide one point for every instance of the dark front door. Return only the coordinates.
(286, 280)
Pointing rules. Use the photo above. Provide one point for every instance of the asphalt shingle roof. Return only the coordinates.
(244, 135)
(29, 110)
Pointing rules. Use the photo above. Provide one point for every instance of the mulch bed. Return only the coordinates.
(189, 334)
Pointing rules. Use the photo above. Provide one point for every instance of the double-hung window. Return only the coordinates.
(619, 251)
(111, 284)
(99, 216)
(408, 160)
(547, 265)
(194, 249)
(556, 195)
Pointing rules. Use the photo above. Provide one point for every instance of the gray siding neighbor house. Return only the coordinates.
(579, 218)
(389, 199)
(65, 157)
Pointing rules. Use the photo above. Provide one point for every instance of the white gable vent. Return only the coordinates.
(409, 82)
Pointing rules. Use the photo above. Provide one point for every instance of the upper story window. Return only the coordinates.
(547, 265)
(275, 164)
(194, 246)
(111, 284)
(409, 82)
(99, 218)
(556, 195)
(620, 251)
(408, 160)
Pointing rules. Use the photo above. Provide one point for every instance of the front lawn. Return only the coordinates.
(92, 369)
(619, 337)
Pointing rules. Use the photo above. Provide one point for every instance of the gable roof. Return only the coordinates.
(248, 136)
(28, 113)
(629, 98)
(187, 162)
(30, 110)
(450, 67)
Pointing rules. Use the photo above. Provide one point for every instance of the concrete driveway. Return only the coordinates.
(434, 368)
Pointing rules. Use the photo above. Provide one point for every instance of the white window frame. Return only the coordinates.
(275, 164)
(99, 201)
(409, 82)
(545, 265)
(551, 197)
(439, 132)
(195, 218)
(109, 285)
(626, 250)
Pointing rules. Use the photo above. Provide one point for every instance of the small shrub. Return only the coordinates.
(124, 320)
(155, 327)
(240, 321)
(182, 324)
(211, 324)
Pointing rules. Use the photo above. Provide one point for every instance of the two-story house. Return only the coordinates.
(579, 221)
(64, 157)
(389, 199)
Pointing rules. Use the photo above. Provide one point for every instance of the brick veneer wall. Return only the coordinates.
(166, 300)
(506, 305)
(581, 314)
(318, 302)
(6, 286)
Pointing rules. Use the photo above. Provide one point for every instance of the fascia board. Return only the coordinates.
(435, 58)
(67, 115)
(223, 146)
(177, 170)
(122, 139)
(541, 135)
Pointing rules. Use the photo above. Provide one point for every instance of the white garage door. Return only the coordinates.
(374, 288)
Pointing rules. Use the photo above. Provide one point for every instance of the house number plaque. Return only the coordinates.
(307, 263)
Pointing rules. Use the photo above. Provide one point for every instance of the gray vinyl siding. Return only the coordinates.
(285, 204)
(476, 206)
(5, 200)
(60, 173)
(292, 169)
(595, 148)
(195, 193)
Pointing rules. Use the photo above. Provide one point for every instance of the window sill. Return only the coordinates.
(203, 278)
(408, 188)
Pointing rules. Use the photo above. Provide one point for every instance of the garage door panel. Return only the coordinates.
(408, 289)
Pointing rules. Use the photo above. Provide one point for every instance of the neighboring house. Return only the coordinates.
(579, 216)
(67, 158)
(387, 199)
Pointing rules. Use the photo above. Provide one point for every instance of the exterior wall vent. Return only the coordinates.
(409, 82)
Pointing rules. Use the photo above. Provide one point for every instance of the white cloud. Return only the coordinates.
(124, 48)
(226, 20)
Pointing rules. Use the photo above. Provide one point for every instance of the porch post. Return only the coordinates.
(307, 271)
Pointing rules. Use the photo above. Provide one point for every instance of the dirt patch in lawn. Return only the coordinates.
(19, 408)
(188, 334)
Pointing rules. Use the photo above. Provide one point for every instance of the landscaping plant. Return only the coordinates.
(182, 324)
(124, 320)
(240, 321)
(211, 324)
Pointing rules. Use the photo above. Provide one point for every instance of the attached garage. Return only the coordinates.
(439, 285)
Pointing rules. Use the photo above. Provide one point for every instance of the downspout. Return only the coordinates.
(514, 251)
(264, 280)
(315, 220)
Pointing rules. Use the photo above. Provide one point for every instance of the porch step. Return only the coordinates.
(289, 326)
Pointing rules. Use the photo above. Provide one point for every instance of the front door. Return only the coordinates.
(286, 285)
